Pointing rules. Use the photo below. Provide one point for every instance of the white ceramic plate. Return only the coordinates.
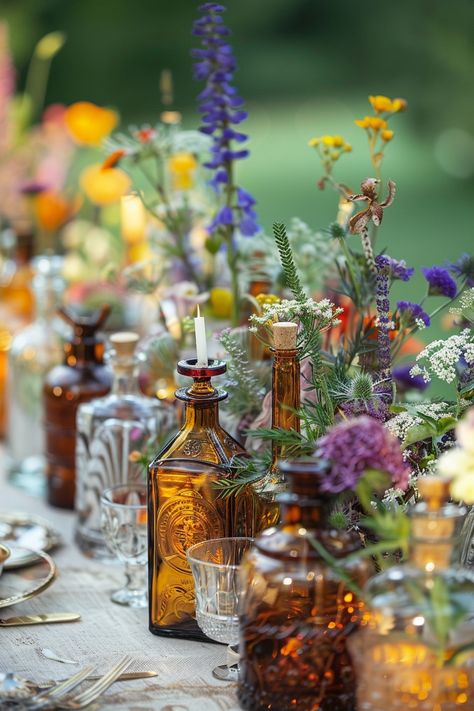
(24, 534)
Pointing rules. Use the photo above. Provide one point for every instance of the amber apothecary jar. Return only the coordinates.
(296, 611)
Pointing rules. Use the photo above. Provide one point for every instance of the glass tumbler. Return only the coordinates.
(215, 566)
(124, 525)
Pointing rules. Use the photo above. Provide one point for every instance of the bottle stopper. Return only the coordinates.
(284, 335)
(124, 344)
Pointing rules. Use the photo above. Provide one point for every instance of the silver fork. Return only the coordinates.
(49, 696)
(87, 697)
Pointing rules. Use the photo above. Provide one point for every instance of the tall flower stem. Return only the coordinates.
(383, 332)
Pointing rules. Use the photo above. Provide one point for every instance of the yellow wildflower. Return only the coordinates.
(338, 141)
(313, 142)
(387, 135)
(399, 105)
(182, 167)
(328, 140)
(377, 123)
(89, 124)
(267, 299)
(104, 186)
(381, 103)
(335, 155)
(347, 148)
(363, 123)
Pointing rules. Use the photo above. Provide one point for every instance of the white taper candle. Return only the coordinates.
(201, 340)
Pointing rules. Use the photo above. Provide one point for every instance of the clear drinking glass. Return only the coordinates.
(124, 525)
(215, 566)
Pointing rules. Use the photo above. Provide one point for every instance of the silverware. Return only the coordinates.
(87, 697)
(40, 619)
(14, 687)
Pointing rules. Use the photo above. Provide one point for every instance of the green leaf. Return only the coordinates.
(290, 271)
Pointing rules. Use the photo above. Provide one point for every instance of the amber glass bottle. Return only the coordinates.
(296, 612)
(185, 507)
(81, 377)
(285, 384)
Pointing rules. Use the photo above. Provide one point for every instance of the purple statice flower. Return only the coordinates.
(404, 381)
(221, 110)
(355, 446)
(397, 268)
(440, 282)
(464, 269)
(382, 286)
(411, 312)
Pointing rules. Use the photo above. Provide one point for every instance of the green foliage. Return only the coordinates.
(290, 272)
(245, 389)
(247, 473)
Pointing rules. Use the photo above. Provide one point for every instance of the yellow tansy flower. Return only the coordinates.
(399, 105)
(381, 103)
(314, 142)
(328, 140)
(89, 124)
(377, 123)
(387, 135)
(362, 123)
(338, 141)
(347, 148)
(104, 186)
(182, 167)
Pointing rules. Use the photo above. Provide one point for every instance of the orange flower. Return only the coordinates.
(89, 124)
(104, 186)
(383, 103)
(113, 159)
(53, 210)
(374, 122)
(387, 135)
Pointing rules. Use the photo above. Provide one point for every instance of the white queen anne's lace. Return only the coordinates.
(401, 424)
(324, 312)
(441, 357)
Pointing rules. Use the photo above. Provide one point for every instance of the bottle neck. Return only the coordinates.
(125, 381)
(433, 535)
(201, 415)
(307, 513)
(285, 396)
(84, 353)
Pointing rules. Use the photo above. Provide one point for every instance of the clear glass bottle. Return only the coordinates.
(419, 632)
(81, 377)
(184, 505)
(296, 612)
(110, 431)
(34, 350)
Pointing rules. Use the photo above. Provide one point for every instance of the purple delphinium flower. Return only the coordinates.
(464, 269)
(356, 446)
(411, 312)
(440, 282)
(221, 109)
(382, 286)
(397, 268)
(404, 381)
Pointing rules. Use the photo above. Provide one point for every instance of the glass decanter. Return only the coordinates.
(296, 612)
(110, 431)
(185, 506)
(34, 351)
(419, 632)
(82, 376)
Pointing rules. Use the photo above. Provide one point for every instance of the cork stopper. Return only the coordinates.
(434, 490)
(284, 336)
(124, 344)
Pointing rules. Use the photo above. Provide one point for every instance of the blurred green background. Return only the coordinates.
(305, 68)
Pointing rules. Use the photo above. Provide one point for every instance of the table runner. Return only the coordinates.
(106, 631)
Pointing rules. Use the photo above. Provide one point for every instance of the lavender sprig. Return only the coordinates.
(382, 285)
(221, 110)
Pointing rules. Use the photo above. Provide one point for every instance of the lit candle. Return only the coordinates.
(201, 340)
(133, 219)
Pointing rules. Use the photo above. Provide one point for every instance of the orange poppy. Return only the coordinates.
(89, 124)
(53, 210)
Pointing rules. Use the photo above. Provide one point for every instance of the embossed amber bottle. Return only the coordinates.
(184, 506)
(81, 377)
(296, 611)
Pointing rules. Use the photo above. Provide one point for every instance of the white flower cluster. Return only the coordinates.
(466, 303)
(401, 424)
(323, 312)
(443, 356)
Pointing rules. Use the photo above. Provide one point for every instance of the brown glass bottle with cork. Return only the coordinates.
(82, 377)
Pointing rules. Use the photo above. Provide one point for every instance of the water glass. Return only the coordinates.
(124, 525)
(215, 567)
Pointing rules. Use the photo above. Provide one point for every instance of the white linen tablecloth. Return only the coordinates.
(105, 632)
